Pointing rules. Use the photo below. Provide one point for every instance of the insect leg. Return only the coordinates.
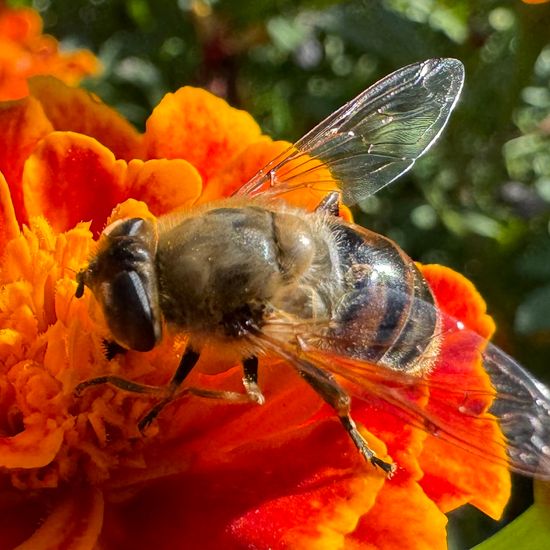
(327, 387)
(330, 204)
(250, 380)
(188, 361)
(112, 349)
(117, 382)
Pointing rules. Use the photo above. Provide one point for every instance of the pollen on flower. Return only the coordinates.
(49, 342)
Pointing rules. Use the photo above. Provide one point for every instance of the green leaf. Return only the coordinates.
(532, 315)
(530, 530)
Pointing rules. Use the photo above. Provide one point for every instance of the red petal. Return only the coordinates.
(253, 476)
(455, 476)
(71, 178)
(23, 125)
(8, 222)
(277, 494)
(458, 297)
(77, 110)
(74, 523)
(34, 447)
(19, 516)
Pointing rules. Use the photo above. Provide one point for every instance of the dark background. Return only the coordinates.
(479, 202)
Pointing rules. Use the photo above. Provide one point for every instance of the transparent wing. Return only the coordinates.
(476, 397)
(373, 139)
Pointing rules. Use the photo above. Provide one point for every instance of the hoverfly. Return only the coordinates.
(255, 276)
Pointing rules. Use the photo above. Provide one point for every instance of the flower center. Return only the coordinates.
(49, 342)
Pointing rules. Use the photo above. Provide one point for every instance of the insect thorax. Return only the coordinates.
(223, 270)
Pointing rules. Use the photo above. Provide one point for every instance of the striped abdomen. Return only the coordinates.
(386, 314)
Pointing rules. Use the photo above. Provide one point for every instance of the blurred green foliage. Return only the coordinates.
(479, 202)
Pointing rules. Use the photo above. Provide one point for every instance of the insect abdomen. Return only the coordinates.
(386, 315)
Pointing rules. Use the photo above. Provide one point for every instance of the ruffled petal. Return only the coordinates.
(278, 494)
(455, 476)
(74, 523)
(8, 222)
(24, 52)
(458, 297)
(77, 110)
(19, 24)
(403, 517)
(164, 185)
(284, 475)
(34, 447)
(71, 178)
(23, 125)
(277, 500)
(196, 126)
(404, 443)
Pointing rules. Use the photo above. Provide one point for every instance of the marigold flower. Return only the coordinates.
(25, 52)
(76, 472)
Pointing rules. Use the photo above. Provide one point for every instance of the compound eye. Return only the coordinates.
(130, 311)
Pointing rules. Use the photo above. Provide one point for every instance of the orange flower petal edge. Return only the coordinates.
(405, 517)
(25, 52)
(199, 127)
(23, 125)
(463, 477)
(77, 110)
(8, 221)
(71, 177)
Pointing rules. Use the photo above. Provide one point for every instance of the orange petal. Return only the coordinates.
(70, 67)
(458, 297)
(8, 222)
(403, 517)
(77, 110)
(243, 167)
(23, 125)
(314, 177)
(164, 185)
(71, 178)
(455, 476)
(74, 524)
(19, 24)
(404, 443)
(194, 125)
(34, 447)
(18, 29)
(130, 208)
(24, 52)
